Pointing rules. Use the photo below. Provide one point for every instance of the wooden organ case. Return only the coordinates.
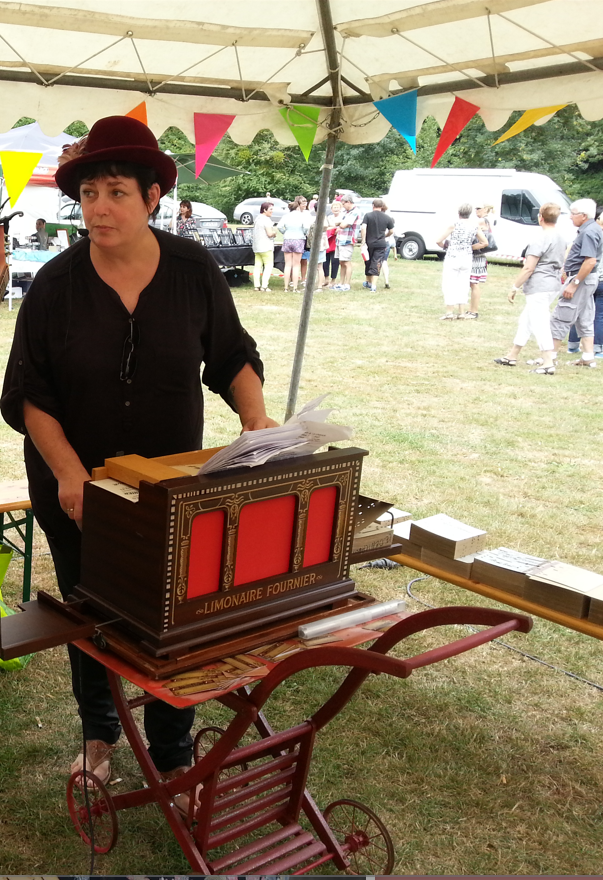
(187, 561)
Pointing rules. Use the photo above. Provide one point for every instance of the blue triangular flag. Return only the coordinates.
(401, 111)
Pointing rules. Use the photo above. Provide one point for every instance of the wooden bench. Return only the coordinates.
(14, 497)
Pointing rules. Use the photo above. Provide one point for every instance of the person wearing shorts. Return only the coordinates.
(376, 226)
(479, 265)
(294, 227)
(576, 304)
(346, 236)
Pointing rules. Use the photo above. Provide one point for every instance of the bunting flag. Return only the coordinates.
(529, 118)
(460, 114)
(401, 112)
(17, 168)
(210, 128)
(303, 122)
(139, 112)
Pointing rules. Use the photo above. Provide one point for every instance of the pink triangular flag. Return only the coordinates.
(209, 130)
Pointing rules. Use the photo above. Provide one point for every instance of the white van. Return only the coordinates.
(424, 202)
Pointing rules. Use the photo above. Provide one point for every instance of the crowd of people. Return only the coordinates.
(552, 269)
(345, 227)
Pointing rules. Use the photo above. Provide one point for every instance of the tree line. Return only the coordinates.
(567, 148)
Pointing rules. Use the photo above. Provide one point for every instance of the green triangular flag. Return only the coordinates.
(303, 122)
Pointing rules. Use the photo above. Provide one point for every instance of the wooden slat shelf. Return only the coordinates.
(580, 625)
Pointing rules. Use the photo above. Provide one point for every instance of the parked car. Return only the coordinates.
(247, 211)
(205, 216)
(71, 213)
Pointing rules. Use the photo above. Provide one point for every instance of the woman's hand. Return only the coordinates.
(511, 295)
(71, 492)
(257, 423)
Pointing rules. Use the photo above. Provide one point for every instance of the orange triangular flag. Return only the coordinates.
(17, 168)
(139, 112)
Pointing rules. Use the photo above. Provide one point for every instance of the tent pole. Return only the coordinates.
(175, 210)
(304, 320)
(332, 65)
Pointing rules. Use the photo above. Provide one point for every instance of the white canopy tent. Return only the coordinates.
(86, 59)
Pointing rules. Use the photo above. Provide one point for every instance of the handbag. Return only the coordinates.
(492, 246)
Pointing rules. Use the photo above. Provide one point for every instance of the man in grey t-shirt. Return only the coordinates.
(541, 282)
(577, 304)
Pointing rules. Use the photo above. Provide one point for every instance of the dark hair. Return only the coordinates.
(41, 220)
(598, 212)
(188, 207)
(265, 205)
(296, 202)
(144, 176)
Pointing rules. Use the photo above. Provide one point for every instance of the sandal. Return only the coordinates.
(505, 361)
(256, 288)
(544, 371)
(98, 760)
(181, 801)
(448, 317)
(582, 363)
(265, 290)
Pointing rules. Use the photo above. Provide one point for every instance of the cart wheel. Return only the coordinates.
(206, 738)
(99, 818)
(363, 836)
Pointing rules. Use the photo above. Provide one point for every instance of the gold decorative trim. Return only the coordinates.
(232, 496)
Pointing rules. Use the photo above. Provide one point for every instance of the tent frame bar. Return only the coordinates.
(553, 71)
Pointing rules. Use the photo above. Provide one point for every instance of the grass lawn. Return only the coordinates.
(490, 763)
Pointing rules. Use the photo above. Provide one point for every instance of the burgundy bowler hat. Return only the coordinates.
(117, 139)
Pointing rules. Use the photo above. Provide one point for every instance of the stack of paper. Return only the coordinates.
(505, 569)
(402, 536)
(460, 567)
(563, 587)
(447, 536)
(303, 434)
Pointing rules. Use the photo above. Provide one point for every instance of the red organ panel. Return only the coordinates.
(265, 539)
(205, 557)
(319, 531)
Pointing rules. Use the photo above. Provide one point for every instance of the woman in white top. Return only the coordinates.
(263, 246)
(294, 227)
(457, 262)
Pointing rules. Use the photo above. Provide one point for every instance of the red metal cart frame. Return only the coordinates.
(245, 789)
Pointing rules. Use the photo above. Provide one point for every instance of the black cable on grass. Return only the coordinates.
(389, 564)
(505, 645)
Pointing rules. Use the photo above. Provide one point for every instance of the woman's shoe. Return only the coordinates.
(505, 361)
(266, 289)
(582, 363)
(448, 317)
(181, 801)
(544, 371)
(98, 760)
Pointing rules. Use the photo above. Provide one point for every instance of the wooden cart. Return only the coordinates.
(252, 799)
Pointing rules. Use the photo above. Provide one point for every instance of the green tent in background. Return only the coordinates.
(213, 171)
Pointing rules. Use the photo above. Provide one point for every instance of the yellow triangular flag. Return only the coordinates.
(17, 168)
(528, 118)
